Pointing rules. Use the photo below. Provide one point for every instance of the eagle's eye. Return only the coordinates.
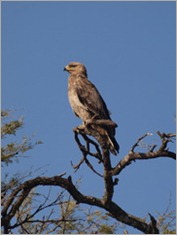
(72, 65)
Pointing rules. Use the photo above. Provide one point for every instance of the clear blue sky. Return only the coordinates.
(129, 51)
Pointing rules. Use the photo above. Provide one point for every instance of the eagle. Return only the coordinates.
(87, 103)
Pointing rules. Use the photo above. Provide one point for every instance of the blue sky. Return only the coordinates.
(129, 49)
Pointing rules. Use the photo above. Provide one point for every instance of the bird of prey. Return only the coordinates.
(87, 103)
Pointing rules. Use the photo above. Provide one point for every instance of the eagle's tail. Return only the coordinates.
(105, 137)
(113, 145)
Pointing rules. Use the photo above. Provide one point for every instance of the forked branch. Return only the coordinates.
(151, 154)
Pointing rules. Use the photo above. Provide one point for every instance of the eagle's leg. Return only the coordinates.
(90, 121)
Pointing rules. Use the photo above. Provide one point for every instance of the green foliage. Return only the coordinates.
(13, 150)
(11, 128)
(167, 221)
(78, 219)
(105, 229)
(166, 231)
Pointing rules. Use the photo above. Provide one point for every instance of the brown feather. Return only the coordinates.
(86, 101)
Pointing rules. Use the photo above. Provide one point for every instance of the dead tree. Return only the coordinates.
(12, 204)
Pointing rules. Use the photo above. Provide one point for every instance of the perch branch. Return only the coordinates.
(86, 151)
(108, 180)
(105, 159)
(101, 122)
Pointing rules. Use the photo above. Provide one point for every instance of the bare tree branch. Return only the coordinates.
(86, 151)
(66, 183)
(139, 140)
(21, 192)
(132, 156)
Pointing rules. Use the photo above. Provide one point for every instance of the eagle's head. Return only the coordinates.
(76, 68)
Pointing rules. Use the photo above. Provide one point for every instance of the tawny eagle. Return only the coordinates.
(86, 101)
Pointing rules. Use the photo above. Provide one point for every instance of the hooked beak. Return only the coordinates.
(65, 68)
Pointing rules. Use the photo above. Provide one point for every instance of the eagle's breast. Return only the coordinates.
(78, 108)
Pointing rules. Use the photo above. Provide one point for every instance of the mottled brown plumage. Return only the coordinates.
(86, 101)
